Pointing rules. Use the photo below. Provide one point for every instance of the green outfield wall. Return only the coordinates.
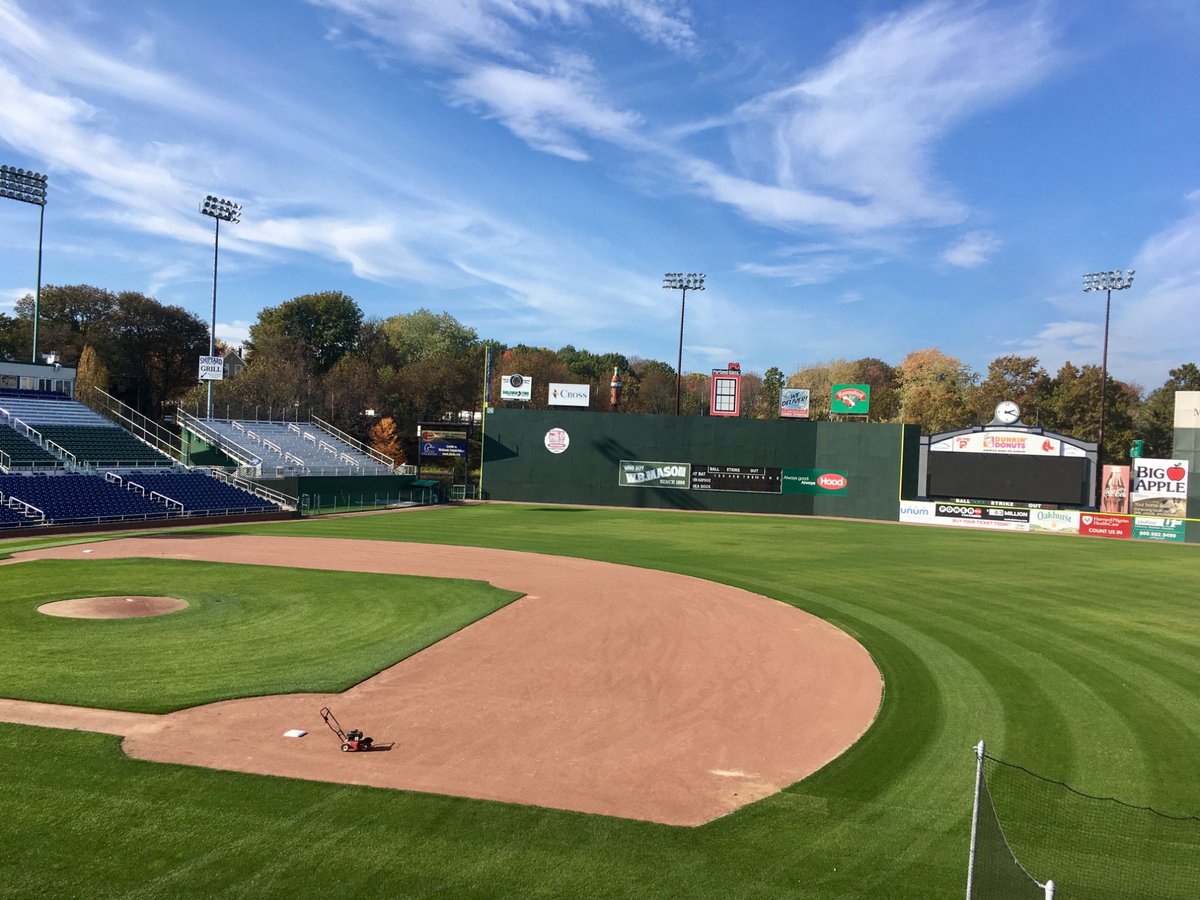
(844, 469)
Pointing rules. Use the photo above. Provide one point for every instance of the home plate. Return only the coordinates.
(295, 732)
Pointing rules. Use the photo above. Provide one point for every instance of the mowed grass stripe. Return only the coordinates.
(1057, 650)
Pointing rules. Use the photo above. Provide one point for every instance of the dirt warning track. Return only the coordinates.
(605, 689)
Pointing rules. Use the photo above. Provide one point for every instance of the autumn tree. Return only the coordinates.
(422, 334)
(934, 391)
(383, 437)
(1072, 407)
(649, 387)
(90, 375)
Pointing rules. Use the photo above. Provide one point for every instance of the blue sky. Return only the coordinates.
(856, 179)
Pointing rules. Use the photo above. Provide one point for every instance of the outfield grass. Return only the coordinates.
(1077, 658)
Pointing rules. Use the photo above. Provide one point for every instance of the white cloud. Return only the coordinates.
(544, 110)
(859, 132)
(972, 250)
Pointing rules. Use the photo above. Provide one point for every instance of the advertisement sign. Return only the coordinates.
(850, 399)
(1114, 495)
(439, 442)
(570, 394)
(969, 515)
(793, 403)
(516, 387)
(557, 440)
(212, 368)
(1154, 528)
(815, 481)
(919, 511)
(639, 473)
(1060, 521)
(1105, 526)
(725, 392)
(1159, 487)
(992, 441)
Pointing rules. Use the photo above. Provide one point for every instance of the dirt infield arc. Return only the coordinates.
(605, 689)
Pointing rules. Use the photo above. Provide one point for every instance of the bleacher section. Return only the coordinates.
(198, 493)
(89, 437)
(72, 498)
(104, 445)
(295, 447)
(18, 452)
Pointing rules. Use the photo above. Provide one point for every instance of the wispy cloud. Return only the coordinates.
(860, 130)
(545, 110)
(972, 250)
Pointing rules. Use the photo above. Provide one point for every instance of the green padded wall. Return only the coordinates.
(879, 461)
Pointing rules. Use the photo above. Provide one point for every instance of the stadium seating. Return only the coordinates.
(22, 453)
(74, 498)
(297, 447)
(199, 493)
(105, 445)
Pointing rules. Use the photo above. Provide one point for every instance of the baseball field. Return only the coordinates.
(1076, 658)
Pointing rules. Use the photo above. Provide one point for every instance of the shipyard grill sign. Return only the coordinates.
(212, 368)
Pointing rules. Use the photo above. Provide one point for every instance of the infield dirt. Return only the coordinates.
(605, 689)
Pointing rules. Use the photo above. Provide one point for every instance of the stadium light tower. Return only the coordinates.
(677, 281)
(28, 187)
(1116, 280)
(221, 211)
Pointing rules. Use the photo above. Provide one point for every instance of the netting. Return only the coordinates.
(997, 874)
(1098, 848)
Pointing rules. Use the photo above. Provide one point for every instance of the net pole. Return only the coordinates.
(979, 754)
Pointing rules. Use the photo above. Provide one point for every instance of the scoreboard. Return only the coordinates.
(744, 479)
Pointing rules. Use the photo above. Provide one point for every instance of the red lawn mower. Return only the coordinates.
(352, 740)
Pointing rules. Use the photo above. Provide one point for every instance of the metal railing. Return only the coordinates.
(270, 494)
(358, 445)
(224, 443)
(141, 427)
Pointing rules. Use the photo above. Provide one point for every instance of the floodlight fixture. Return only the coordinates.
(678, 281)
(220, 210)
(27, 186)
(1114, 280)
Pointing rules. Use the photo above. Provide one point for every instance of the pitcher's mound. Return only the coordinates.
(112, 607)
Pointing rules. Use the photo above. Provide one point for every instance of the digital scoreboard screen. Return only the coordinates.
(997, 476)
(746, 479)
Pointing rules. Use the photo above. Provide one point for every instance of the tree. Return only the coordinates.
(773, 383)
(1156, 419)
(421, 334)
(1017, 378)
(934, 391)
(153, 351)
(1073, 407)
(755, 404)
(649, 387)
(328, 324)
(69, 318)
(90, 375)
(383, 437)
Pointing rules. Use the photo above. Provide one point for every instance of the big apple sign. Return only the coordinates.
(1159, 487)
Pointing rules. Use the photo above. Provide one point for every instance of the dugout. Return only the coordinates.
(795, 467)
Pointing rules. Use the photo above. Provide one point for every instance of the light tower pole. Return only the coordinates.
(28, 187)
(677, 281)
(221, 211)
(1116, 280)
